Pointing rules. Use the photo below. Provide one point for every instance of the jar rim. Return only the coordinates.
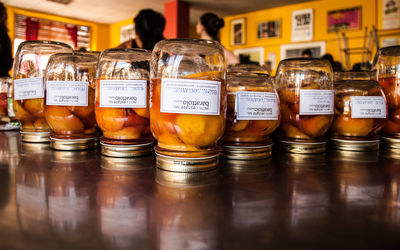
(241, 73)
(206, 42)
(74, 54)
(41, 42)
(113, 50)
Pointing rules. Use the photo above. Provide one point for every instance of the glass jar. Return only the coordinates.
(122, 97)
(388, 74)
(69, 107)
(188, 103)
(305, 88)
(7, 116)
(360, 112)
(252, 115)
(28, 74)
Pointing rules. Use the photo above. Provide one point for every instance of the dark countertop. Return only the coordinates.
(63, 200)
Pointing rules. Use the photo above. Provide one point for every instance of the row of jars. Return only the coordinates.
(181, 95)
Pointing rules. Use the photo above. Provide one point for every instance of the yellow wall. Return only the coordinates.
(370, 17)
(99, 32)
(115, 31)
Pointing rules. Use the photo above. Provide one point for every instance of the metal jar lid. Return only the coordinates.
(40, 137)
(354, 145)
(186, 180)
(303, 147)
(127, 164)
(186, 165)
(73, 144)
(246, 153)
(130, 150)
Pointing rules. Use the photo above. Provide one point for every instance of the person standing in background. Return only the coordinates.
(149, 28)
(208, 27)
(6, 59)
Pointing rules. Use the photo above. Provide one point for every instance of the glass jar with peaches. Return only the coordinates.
(122, 102)
(28, 74)
(388, 75)
(69, 107)
(188, 103)
(360, 112)
(252, 115)
(305, 88)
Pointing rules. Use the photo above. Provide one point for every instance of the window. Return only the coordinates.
(77, 36)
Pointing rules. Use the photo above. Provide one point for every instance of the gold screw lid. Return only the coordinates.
(185, 165)
(126, 150)
(40, 137)
(73, 144)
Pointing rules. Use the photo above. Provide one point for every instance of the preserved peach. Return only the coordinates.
(35, 106)
(21, 114)
(30, 114)
(128, 133)
(142, 112)
(347, 126)
(315, 126)
(200, 131)
(135, 120)
(40, 124)
(110, 119)
(62, 121)
(293, 132)
(236, 125)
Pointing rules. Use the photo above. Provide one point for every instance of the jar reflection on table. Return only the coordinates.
(360, 112)
(356, 178)
(72, 184)
(188, 98)
(185, 214)
(389, 207)
(28, 72)
(32, 185)
(122, 102)
(305, 88)
(250, 194)
(71, 115)
(388, 77)
(306, 200)
(123, 207)
(252, 115)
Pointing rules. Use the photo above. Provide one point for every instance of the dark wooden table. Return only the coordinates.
(62, 200)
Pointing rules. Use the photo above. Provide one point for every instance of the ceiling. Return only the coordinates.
(112, 11)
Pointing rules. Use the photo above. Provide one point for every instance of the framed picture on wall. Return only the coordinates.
(318, 49)
(269, 29)
(302, 25)
(344, 19)
(251, 55)
(238, 31)
(127, 33)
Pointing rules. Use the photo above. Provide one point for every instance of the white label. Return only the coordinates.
(123, 93)
(67, 93)
(256, 105)
(188, 96)
(316, 102)
(368, 107)
(28, 88)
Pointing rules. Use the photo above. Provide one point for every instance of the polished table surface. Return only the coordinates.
(82, 200)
